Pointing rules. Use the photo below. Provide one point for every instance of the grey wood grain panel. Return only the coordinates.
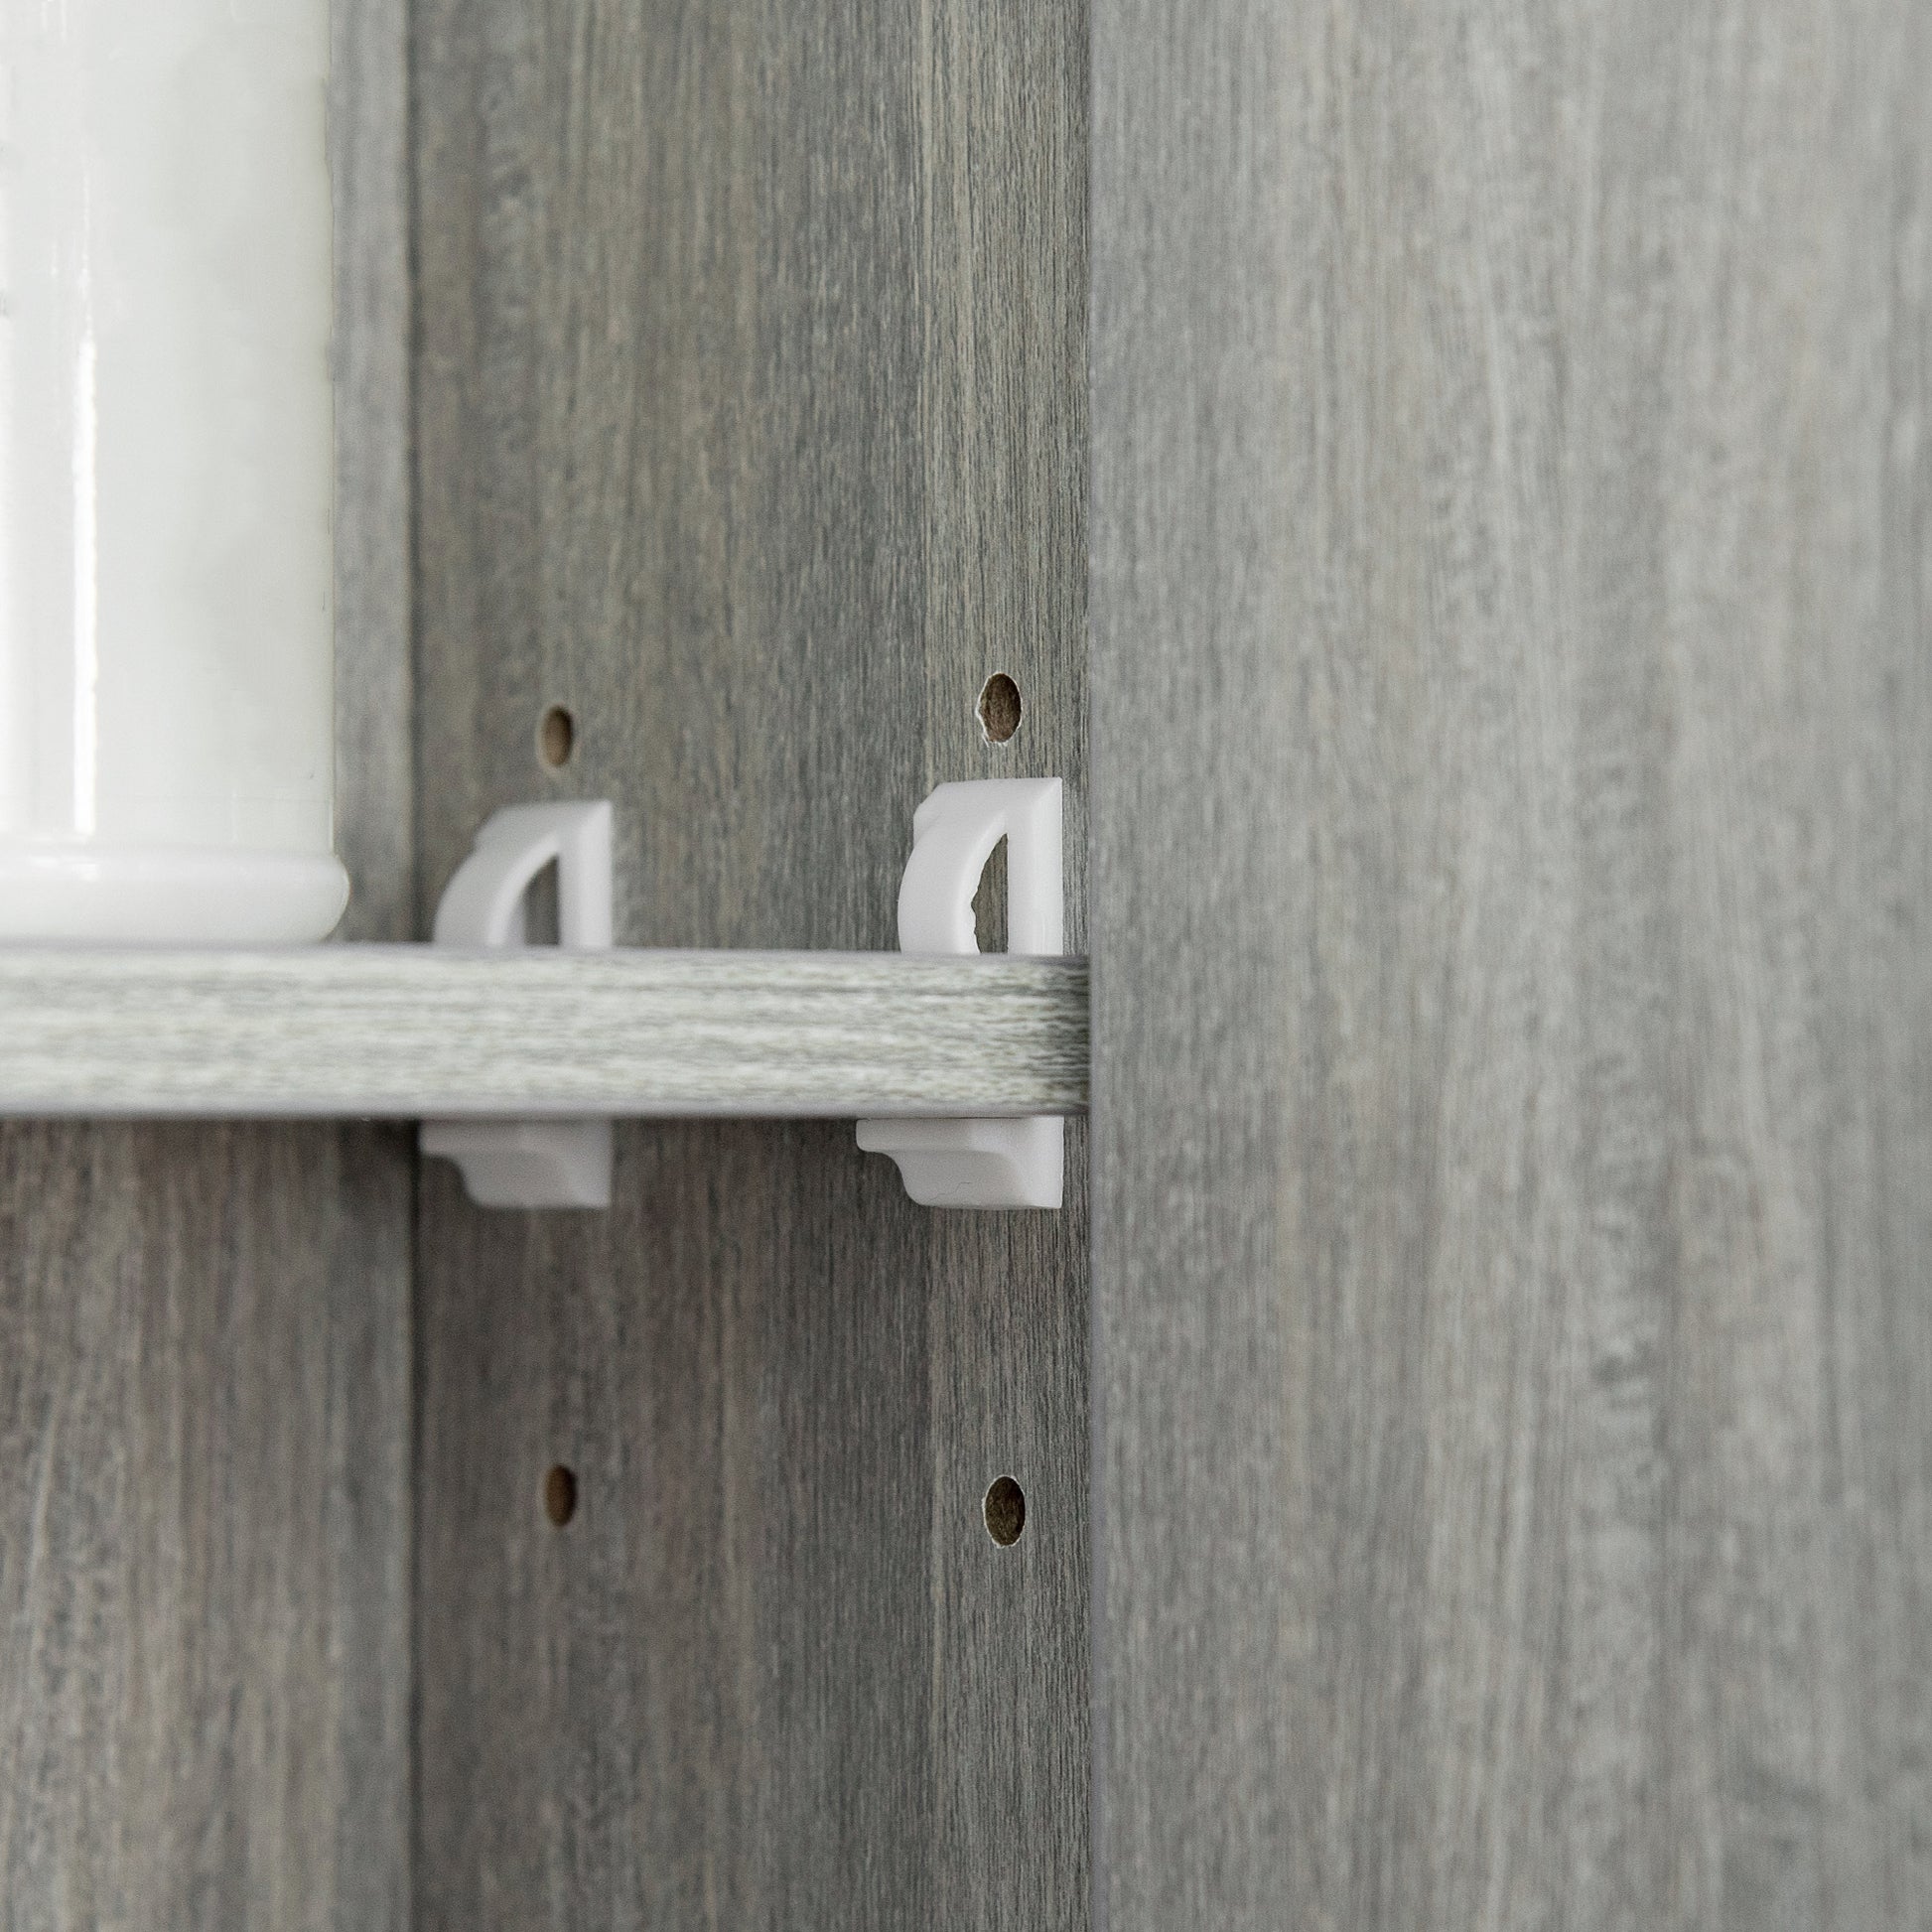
(203, 1614)
(204, 1357)
(376, 751)
(752, 418)
(408, 1031)
(1512, 1099)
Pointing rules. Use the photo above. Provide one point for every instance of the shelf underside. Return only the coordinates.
(408, 1031)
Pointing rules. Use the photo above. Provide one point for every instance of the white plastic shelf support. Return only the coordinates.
(978, 1162)
(526, 1162)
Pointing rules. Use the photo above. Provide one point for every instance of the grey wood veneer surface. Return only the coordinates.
(1513, 907)
(424, 1032)
(751, 414)
(205, 1353)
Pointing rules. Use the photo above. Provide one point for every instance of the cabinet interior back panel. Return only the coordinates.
(752, 431)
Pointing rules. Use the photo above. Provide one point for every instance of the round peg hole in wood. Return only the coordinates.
(1006, 1512)
(556, 737)
(1000, 708)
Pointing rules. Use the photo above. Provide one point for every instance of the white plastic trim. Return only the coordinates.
(530, 1163)
(981, 1163)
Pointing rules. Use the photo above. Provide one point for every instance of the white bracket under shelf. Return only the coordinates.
(527, 1162)
(975, 1163)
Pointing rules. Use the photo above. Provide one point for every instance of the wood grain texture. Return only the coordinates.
(1513, 679)
(204, 1661)
(204, 1359)
(750, 411)
(376, 750)
(405, 1031)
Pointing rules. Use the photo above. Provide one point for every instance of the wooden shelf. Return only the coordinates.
(408, 1031)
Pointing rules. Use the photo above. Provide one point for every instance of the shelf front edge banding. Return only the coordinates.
(405, 1031)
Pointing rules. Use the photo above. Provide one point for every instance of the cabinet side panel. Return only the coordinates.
(1512, 679)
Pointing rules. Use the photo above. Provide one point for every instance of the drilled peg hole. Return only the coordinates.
(556, 737)
(1006, 1512)
(559, 1495)
(1000, 708)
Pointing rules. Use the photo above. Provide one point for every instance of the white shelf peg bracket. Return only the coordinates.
(981, 1163)
(530, 1163)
